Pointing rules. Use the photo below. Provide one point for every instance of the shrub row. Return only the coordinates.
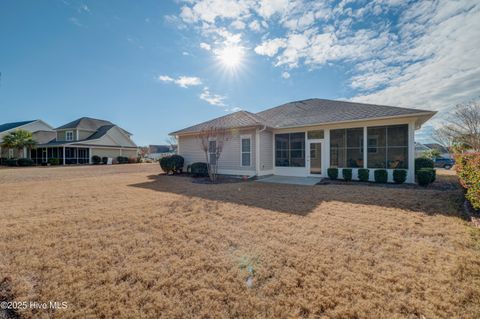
(198, 169)
(172, 164)
(17, 162)
(122, 160)
(425, 171)
(54, 161)
(468, 170)
(380, 175)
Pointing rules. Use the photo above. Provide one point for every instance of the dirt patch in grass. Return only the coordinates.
(125, 242)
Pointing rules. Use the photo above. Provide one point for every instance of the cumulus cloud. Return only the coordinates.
(285, 75)
(205, 46)
(211, 98)
(270, 47)
(182, 81)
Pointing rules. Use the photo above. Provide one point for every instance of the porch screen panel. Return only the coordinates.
(290, 150)
(346, 148)
(388, 146)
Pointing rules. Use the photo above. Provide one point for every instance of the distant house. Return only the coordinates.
(420, 149)
(156, 152)
(41, 131)
(305, 138)
(75, 142)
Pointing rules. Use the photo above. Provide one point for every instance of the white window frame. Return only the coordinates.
(210, 153)
(245, 137)
(67, 134)
(10, 153)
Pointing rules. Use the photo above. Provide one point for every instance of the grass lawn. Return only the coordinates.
(124, 242)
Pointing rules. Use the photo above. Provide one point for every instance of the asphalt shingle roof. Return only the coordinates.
(306, 112)
(9, 126)
(85, 123)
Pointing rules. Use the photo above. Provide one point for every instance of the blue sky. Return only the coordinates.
(154, 67)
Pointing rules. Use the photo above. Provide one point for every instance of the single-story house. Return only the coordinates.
(75, 142)
(155, 152)
(305, 138)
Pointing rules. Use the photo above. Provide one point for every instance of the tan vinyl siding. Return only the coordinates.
(83, 134)
(61, 135)
(42, 137)
(106, 152)
(191, 149)
(129, 153)
(266, 150)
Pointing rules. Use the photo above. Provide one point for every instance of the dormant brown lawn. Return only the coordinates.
(125, 242)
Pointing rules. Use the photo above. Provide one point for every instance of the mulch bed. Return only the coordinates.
(437, 185)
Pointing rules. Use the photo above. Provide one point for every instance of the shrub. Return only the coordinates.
(468, 170)
(11, 162)
(96, 159)
(399, 176)
(425, 176)
(24, 162)
(105, 160)
(332, 172)
(381, 176)
(133, 160)
(423, 162)
(199, 169)
(3, 160)
(54, 161)
(434, 174)
(363, 174)
(122, 159)
(172, 164)
(347, 174)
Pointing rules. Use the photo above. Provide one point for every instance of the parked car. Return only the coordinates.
(442, 162)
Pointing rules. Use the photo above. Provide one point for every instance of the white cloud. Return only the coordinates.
(205, 46)
(270, 47)
(235, 109)
(238, 24)
(210, 10)
(213, 99)
(76, 22)
(182, 81)
(268, 8)
(255, 26)
(285, 75)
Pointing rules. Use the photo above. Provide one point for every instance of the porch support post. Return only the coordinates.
(411, 153)
(257, 152)
(63, 155)
(89, 155)
(365, 147)
(326, 152)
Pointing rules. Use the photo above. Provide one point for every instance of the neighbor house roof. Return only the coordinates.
(85, 123)
(307, 112)
(234, 120)
(9, 126)
(101, 131)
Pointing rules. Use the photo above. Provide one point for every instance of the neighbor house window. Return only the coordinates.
(10, 153)
(212, 152)
(69, 136)
(290, 150)
(246, 151)
(346, 147)
(388, 146)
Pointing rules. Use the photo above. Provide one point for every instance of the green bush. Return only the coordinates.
(347, 174)
(172, 164)
(434, 175)
(332, 172)
(425, 176)
(11, 162)
(423, 162)
(54, 161)
(399, 176)
(381, 176)
(24, 162)
(363, 174)
(3, 160)
(199, 169)
(105, 160)
(96, 159)
(122, 159)
(468, 170)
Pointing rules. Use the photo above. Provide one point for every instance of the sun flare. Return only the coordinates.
(231, 56)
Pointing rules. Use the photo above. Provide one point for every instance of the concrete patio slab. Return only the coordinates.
(277, 179)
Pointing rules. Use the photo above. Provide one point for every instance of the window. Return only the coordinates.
(69, 136)
(315, 135)
(212, 152)
(346, 147)
(388, 146)
(246, 152)
(10, 153)
(290, 150)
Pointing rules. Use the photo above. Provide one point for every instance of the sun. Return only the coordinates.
(231, 56)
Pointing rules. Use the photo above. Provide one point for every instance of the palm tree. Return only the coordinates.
(19, 140)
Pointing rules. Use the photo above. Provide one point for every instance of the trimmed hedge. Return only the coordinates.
(423, 162)
(172, 164)
(122, 160)
(381, 176)
(332, 172)
(105, 160)
(425, 176)
(24, 162)
(399, 176)
(363, 174)
(347, 174)
(199, 169)
(96, 159)
(11, 162)
(468, 170)
(54, 161)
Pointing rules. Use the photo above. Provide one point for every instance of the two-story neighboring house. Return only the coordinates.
(78, 141)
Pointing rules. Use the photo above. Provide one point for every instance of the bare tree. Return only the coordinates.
(172, 141)
(212, 140)
(462, 128)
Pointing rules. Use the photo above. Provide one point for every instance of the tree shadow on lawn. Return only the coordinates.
(301, 200)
